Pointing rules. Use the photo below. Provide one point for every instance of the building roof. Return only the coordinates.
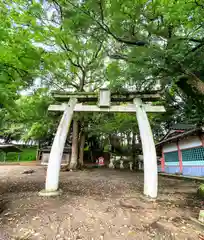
(181, 135)
(9, 148)
(182, 126)
(176, 129)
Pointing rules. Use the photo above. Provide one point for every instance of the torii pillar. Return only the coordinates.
(148, 149)
(54, 163)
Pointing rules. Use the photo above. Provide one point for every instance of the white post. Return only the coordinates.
(149, 151)
(141, 160)
(140, 165)
(121, 164)
(54, 164)
(131, 164)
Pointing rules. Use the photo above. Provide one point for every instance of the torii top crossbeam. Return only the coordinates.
(106, 101)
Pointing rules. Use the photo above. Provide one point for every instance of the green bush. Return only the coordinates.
(200, 191)
(27, 154)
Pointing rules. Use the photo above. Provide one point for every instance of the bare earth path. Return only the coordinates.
(97, 204)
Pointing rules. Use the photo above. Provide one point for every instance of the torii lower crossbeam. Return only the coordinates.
(129, 108)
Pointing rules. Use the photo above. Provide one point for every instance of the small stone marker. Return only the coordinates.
(30, 171)
(111, 165)
(121, 164)
(131, 165)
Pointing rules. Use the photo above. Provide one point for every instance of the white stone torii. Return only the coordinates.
(148, 146)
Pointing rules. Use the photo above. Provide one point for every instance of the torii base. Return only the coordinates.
(44, 193)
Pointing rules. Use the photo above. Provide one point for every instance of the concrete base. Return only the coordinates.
(147, 198)
(44, 193)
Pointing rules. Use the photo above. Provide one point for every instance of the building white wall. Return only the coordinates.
(65, 158)
(191, 142)
(45, 158)
(169, 147)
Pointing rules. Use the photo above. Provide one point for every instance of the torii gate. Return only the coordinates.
(105, 99)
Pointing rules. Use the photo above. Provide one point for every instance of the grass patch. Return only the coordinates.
(27, 155)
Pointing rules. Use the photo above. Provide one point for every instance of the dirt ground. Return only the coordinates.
(98, 204)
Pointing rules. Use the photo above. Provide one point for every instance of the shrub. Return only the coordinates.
(27, 154)
(200, 191)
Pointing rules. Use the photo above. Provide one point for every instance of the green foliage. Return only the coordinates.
(158, 40)
(19, 58)
(29, 119)
(200, 191)
(110, 123)
(83, 45)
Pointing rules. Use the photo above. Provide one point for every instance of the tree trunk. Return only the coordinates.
(133, 146)
(128, 139)
(191, 85)
(82, 81)
(74, 156)
(196, 83)
(8, 138)
(81, 150)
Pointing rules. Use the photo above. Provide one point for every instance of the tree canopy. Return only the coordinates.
(84, 45)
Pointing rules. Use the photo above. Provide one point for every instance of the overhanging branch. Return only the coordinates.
(199, 4)
(65, 47)
(106, 28)
(192, 40)
(59, 7)
(96, 54)
(195, 49)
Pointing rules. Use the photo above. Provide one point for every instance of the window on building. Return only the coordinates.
(193, 154)
(171, 156)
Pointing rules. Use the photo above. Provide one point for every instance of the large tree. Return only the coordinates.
(19, 59)
(161, 40)
(82, 45)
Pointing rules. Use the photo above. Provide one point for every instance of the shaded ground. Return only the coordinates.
(97, 204)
